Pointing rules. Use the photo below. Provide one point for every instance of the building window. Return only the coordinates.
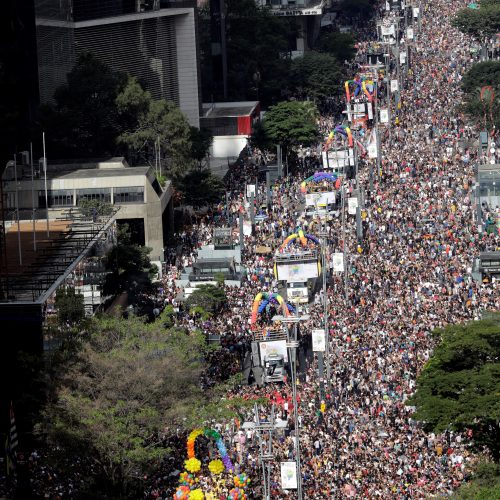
(56, 198)
(133, 194)
(99, 194)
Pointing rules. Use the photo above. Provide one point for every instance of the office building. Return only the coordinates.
(153, 40)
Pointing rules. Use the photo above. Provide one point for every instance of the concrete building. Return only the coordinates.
(308, 14)
(153, 40)
(143, 203)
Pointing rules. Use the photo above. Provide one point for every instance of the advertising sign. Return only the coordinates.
(288, 475)
(352, 205)
(319, 340)
(394, 86)
(409, 33)
(297, 272)
(250, 190)
(273, 347)
(384, 116)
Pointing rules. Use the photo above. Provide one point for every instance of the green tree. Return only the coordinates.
(200, 187)
(480, 23)
(291, 123)
(201, 140)
(459, 386)
(485, 483)
(316, 75)
(208, 297)
(149, 123)
(130, 384)
(339, 45)
(70, 306)
(357, 8)
(84, 120)
(258, 47)
(483, 109)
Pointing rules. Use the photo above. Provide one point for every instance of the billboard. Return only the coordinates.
(273, 347)
(320, 199)
(338, 262)
(338, 159)
(297, 272)
(289, 475)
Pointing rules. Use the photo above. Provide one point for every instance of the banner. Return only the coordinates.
(416, 12)
(319, 340)
(250, 190)
(388, 30)
(409, 33)
(273, 347)
(247, 228)
(320, 199)
(384, 116)
(288, 475)
(402, 57)
(338, 262)
(394, 86)
(352, 205)
(297, 272)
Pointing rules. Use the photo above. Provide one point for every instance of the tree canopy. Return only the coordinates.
(483, 109)
(291, 123)
(200, 187)
(339, 45)
(316, 75)
(479, 23)
(459, 386)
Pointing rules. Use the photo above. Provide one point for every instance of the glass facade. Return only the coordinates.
(132, 194)
(56, 198)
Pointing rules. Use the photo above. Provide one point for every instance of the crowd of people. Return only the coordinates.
(412, 274)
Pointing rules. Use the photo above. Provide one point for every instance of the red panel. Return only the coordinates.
(244, 125)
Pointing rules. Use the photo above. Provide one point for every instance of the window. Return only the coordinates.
(133, 194)
(100, 194)
(56, 198)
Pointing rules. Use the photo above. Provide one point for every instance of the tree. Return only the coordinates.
(200, 187)
(357, 8)
(258, 48)
(208, 297)
(316, 76)
(480, 23)
(339, 45)
(459, 386)
(149, 123)
(84, 121)
(201, 140)
(70, 306)
(485, 483)
(130, 384)
(484, 110)
(291, 123)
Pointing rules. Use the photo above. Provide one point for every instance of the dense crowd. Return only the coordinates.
(413, 273)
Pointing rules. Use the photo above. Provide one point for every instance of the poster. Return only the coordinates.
(384, 116)
(250, 190)
(273, 347)
(338, 262)
(352, 205)
(394, 86)
(319, 340)
(288, 475)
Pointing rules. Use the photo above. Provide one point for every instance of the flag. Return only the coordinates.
(11, 443)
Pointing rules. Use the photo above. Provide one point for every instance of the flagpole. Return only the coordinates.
(33, 196)
(17, 214)
(45, 182)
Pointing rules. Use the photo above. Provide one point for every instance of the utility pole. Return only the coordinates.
(45, 184)
(344, 246)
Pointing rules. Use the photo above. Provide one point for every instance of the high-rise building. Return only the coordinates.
(153, 40)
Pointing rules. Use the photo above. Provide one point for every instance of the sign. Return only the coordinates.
(250, 190)
(409, 33)
(320, 199)
(247, 228)
(338, 262)
(297, 272)
(388, 30)
(384, 116)
(394, 86)
(288, 475)
(352, 205)
(416, 12)
(319, 340)
(372, 149)
(402, 57)
(313, 11)
(273, 347)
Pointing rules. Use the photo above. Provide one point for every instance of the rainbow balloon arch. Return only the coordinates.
(301, 236)
(189, 483)
(262, 300)
(317, 177)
